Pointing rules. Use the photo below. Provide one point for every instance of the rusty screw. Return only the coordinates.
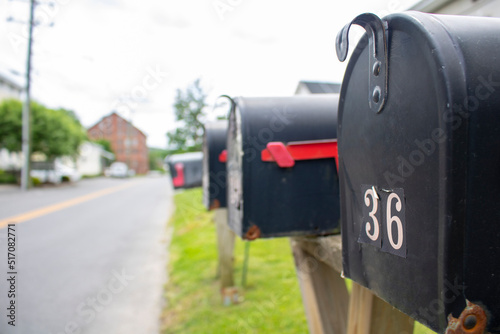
(253, 233)
(470, 322)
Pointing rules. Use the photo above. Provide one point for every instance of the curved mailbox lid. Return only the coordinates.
(425, 168)
(277, 201)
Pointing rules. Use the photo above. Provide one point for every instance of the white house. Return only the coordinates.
(91, 160)
(10, 87)
(11, 161)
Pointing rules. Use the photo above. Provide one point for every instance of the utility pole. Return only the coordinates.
(26, 139)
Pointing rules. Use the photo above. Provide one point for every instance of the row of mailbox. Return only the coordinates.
(413, 181)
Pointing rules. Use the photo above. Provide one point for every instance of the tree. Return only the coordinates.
(156, 158)
(55, 133)
(11, 125)
(189, 110)
(106, 144)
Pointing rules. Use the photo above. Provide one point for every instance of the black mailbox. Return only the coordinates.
(419, 147)
(214, 165)
(282, 176)
(185, 169)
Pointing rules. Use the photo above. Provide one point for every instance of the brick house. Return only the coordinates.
(127, 142)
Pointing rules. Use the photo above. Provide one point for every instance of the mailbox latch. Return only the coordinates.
(286, 155)
(378, 61)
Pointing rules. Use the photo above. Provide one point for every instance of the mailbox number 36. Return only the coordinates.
(384, 220)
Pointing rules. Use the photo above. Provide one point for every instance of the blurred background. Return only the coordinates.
(115, 87)
(94, 57)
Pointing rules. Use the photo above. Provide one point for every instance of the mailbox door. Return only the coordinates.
(405, 171)
(193, 172)
(214, 170)
(234, 167)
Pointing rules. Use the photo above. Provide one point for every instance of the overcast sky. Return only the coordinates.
(101, 55)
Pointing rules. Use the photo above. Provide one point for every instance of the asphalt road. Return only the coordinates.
(90, 257)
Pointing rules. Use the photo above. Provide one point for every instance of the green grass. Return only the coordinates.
(421, 329)
(91, 176)
(271, 301)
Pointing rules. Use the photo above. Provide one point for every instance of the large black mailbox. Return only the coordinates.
(419, 147)
(214, 165)
(185, 169)
(282, 176)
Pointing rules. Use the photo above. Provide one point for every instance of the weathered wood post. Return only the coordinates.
(328, 306)
(369, 314)
(225, 247)
(324, 292)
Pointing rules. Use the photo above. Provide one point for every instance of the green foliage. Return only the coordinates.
(156, 157)
(71, 114)
(7, 177)
(87, 176)
(11, 125)
(106, 144)
(54, 132)
(189, 108)
(184, 150)
(271, 301)
(35, 181)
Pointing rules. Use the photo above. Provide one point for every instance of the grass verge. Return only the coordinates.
(271, 301)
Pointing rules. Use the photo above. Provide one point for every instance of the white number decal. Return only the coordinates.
(383, 211)
(376, 231)
(391, 219)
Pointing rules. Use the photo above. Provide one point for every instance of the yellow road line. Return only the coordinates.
(61, 205)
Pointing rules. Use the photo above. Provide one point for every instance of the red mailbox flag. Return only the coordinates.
(178, 181)
(286, 155)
